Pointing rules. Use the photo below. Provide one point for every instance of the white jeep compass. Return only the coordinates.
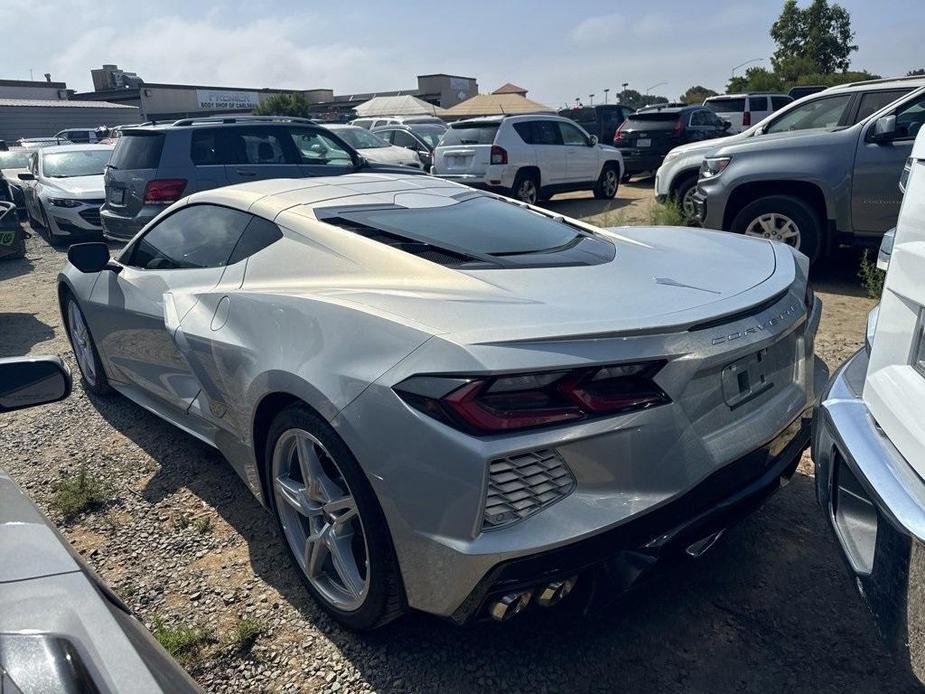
(529, 157)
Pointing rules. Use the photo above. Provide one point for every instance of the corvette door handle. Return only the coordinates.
(245, 172)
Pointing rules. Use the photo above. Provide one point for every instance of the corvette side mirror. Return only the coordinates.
(91, 257)
(31, 381)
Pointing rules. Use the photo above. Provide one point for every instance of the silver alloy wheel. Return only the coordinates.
(611, 181)
(320, 519)
(527, 191)
(776, 227)
(80, 341)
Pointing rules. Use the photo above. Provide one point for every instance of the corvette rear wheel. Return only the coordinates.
(88, 359)
(334, 529)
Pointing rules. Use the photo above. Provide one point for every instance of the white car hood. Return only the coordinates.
(391, 155)
(77, 186)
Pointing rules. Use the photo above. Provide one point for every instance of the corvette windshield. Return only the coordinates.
(89, 162)
(480, 225)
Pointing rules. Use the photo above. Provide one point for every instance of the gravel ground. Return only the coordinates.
(770, 609)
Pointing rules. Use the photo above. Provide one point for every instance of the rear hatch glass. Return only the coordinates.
(651, 131)
(734, 105)
(134, 162)
(465, 149)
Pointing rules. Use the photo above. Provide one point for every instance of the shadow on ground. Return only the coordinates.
(20, 331)
(769, 609)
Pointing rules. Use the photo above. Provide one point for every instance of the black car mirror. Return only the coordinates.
(31, 381)
(27, 176)
(727, 124)
(91, 257)
(884, 129)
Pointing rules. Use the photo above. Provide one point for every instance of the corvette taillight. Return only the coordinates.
(512, 402)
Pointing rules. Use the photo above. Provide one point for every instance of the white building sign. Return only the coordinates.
(226, 100)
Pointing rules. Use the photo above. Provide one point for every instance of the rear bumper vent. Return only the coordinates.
(521, 485)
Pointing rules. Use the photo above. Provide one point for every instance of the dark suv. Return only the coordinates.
(601, 120)
(154, 166)
(645, 137)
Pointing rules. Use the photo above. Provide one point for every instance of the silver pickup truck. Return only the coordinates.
(833, 183)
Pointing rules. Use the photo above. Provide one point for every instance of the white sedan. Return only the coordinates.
(63, 190)
(374, 148)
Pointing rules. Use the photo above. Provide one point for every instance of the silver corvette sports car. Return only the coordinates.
(452, 402)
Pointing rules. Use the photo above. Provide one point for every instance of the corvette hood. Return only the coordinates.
(661, 278)
(79, 186)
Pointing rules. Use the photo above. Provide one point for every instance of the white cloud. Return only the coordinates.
(597, 29)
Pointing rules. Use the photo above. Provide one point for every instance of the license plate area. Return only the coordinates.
(746, 379)
(644, 142)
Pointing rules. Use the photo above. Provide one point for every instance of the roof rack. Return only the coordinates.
(882, 80)
(243, 119)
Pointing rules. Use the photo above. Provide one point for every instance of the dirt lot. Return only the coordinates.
(770, 609)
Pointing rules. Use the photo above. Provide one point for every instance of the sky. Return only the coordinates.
(557, 50)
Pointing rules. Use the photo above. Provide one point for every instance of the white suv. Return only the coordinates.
(744, 110)
(869, 440)
(527, 157)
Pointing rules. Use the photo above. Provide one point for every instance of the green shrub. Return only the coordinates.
(181, 642)
(666, 213)
(75, 494)
(246, 632)
(871, 277)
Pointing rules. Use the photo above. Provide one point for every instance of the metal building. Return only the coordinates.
(45, 117)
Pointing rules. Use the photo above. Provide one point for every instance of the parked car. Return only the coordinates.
(61, 628)
(39, 142)
(86, 136)
(645, 137)
(374, 148)
(869, 447)
(236, 316)
(419, 137)
(380, 121)
(63, 190)
(847, 104)
(601, 120)
(744, 110)
(833, 183)
(805, 90)
(529, 157)
(12, 241)
(154, 166)
(12, 163)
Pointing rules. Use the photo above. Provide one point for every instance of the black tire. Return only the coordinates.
(802, 215)
(602, 190)
(384, 601)
(523, 182)
(96, 383)
(681, 194)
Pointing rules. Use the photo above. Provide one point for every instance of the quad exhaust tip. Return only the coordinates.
(512, 604)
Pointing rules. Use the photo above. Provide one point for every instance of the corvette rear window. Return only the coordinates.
(479, 226)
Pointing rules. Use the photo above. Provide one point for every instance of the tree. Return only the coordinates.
(914, 73)
(696, 94)
(293, 104)
(820, 34)
(634, 99)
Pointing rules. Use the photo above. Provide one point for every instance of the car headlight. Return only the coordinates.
(64, 202)
(714, 166)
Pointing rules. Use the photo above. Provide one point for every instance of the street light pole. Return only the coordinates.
(747, 62)
(591, 97)
(659, 84)
(606, 92)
